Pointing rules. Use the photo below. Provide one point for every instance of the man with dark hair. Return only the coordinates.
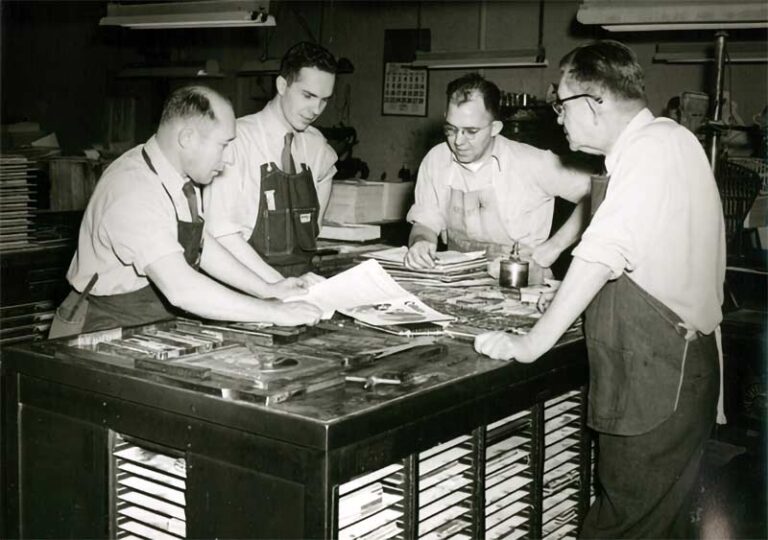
(141, 238)
(649, 271)
(267, 207)
(482, 191)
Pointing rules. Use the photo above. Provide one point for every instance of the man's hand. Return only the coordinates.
(310, 278)
(295, 314)
(285, 288)
(421, 255)
(503, 346)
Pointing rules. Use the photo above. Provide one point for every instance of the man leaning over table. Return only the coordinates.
(483, 191)
(142, 240)
(649, 271)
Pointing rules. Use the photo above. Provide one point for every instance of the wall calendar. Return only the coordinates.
(405, 90)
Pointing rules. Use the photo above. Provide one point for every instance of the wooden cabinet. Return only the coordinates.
(480, 448)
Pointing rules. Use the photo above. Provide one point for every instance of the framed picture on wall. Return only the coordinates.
(405, 90)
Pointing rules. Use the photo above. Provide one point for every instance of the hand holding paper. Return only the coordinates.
(366, 292)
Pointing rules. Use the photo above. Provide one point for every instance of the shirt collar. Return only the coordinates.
(165, 171)
(276, 123)
(641, 119)
(493, 157)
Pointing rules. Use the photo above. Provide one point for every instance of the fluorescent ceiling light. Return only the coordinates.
(272, 66)
(480, 59)
(660, 15)
(701, 53)
(189, 14)
(208, 70)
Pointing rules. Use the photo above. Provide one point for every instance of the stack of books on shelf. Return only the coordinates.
(452, 268)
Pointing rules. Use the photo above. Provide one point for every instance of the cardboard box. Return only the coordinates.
(360, 201)
(397, 200)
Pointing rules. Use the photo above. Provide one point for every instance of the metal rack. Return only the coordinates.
(520, 477)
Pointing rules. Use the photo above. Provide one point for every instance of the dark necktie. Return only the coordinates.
(189, 193)
(287, 164)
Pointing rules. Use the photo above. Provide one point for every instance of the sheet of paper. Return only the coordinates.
(404, 310)
(397, 255)
(366, 292)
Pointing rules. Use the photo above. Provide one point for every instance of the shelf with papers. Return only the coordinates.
(564, 445)
(148, 492)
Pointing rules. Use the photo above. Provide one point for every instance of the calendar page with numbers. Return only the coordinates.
(405, 90)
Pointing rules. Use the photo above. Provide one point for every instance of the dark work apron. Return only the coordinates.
(625, 326)
(143, 306)
(652, 394)
(286, 229)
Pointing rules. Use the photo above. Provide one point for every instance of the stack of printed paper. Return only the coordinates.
(452, 268)
(17, 201)
(367, 293)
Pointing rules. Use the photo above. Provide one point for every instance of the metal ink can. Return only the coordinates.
(513, 273)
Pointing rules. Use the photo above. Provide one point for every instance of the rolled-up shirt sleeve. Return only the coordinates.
(622, 230)
(431, 196)
(224, 200)
(139, 232)
(223, 213)
(326, 164)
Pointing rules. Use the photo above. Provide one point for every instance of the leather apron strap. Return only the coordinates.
(598, 189)
(188, 233)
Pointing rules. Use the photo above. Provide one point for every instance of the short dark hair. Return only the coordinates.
(190, 102)
(607, 65)
(462, 90)
(306, 54)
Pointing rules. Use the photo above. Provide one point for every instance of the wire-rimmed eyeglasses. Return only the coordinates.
(557, 105)
(452, 132)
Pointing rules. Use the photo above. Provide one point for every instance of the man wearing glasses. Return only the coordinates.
(649, 272)
(482, 191)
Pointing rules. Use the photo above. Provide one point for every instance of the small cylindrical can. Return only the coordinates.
(513, 273)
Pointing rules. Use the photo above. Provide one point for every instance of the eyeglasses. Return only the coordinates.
(557, 105)
(469, 133)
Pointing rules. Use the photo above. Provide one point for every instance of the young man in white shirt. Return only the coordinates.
(268, 205)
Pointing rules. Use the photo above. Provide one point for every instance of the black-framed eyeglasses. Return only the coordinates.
(557, 105)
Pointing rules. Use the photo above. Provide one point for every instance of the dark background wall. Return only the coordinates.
(60, 68)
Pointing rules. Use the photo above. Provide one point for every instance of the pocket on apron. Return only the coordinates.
(277, 238)
(305, 225)
(468, 215)
(609, 368)
(70, 316)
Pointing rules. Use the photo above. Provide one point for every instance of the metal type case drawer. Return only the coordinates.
(477, 449)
